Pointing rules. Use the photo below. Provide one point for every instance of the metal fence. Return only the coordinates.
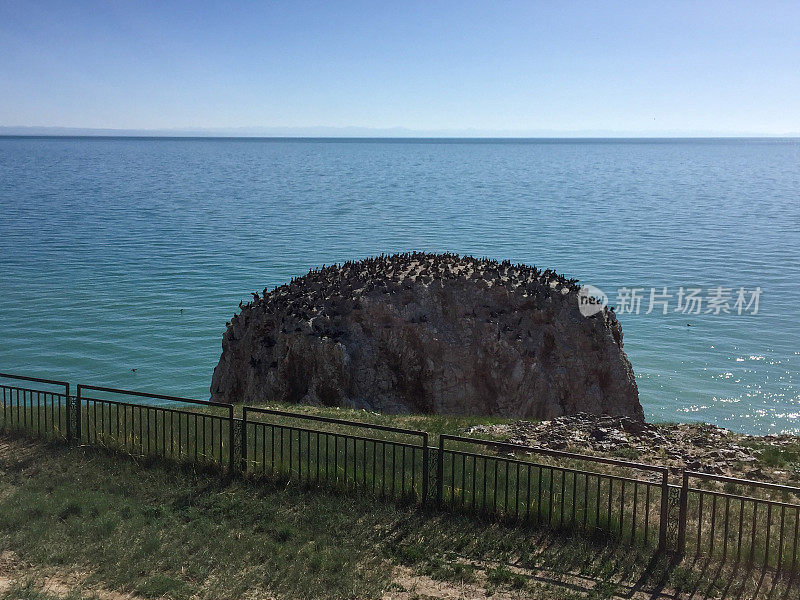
(516, 482)
(169, 427)
(758, 527)
(384, 461)
(41, 409)
(719, 518)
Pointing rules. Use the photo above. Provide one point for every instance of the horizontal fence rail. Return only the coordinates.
(388, 462)
(41, 409)
(759, 527)
(169, 427)
(513, 481)
(719, 518)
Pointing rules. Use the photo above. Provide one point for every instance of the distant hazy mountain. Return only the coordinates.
(365, 132)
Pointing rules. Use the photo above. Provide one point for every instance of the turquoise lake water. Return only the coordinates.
(121, 254)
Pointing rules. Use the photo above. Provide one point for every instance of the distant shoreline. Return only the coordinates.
(408, 139)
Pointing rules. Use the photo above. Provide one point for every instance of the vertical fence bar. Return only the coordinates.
(78, 413)
(425, 467)
(662, 531)
(231, 440)
(682, 515)
(244, 441)
(440, 472)
(69, 424)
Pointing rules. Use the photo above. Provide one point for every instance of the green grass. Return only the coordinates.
(492, 485)
(513, 492)
(169, 531)
(446, 569)
(626, 454)
(777, 456)
(684, 580)
(500, 485)
(29, 591)
(161, 530)
(172, 532)
(505, 577)
(432, 424)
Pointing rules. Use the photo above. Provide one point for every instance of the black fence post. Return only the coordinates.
(231, 441)
(244, 441)
(425, 468)
(69, 420)
(683, 514)
(78, 414)
(440, 473)
(662, 530)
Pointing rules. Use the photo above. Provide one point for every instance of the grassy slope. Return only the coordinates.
(164, 531)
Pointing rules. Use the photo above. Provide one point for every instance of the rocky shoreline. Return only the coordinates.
(697, 447)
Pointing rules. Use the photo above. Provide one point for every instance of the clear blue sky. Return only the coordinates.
(517, 67)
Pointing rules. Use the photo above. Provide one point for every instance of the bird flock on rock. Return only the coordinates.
(334, 290)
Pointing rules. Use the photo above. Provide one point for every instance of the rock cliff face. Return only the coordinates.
(428, 333)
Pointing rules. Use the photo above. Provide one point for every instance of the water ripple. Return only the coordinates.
(131, 254)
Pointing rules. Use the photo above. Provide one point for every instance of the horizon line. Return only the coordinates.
(357, 132)
(141, 136)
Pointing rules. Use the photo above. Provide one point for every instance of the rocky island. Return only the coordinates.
(428, 333)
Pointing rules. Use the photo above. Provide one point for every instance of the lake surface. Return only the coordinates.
(122, 254)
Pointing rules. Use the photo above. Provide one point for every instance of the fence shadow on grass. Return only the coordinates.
(728, 528)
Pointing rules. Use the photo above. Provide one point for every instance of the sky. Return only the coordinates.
(508, 68)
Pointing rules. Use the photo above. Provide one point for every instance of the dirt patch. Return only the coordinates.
(408, 585)
(19, 449)
(8, 570)
(17, 573)
(539, 585)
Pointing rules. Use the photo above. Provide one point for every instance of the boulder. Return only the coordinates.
(428, 333)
